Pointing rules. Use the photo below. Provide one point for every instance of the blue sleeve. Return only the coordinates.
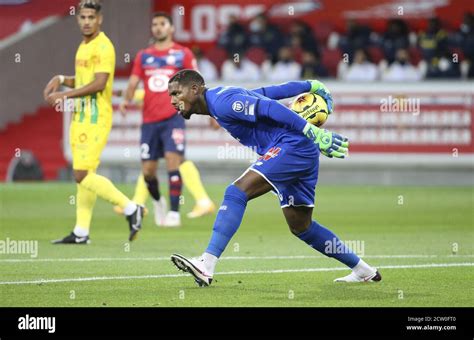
(285, 90)
(271, 109)
(239, 107)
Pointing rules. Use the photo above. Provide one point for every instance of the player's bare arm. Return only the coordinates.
(55, 83)
(97, 85)
(129, 93)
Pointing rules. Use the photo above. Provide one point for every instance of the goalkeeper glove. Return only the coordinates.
(321, 90)
(331, 144)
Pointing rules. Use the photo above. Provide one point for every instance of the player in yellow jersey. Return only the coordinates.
(91, 88)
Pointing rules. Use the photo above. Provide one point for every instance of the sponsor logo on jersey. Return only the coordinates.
(272, 153)
(158, 83)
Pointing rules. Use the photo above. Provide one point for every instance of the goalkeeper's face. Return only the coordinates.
(184, 98)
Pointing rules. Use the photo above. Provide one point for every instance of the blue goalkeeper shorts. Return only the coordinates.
(291, 167)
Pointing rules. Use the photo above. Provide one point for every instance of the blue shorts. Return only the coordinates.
(160, 137)
(291, 167)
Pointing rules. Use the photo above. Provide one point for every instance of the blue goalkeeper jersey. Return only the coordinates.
(255, 120)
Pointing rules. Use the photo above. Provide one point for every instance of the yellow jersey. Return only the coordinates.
(96, 56)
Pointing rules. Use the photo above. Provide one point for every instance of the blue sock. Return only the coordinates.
(327, 243)
(228, 220)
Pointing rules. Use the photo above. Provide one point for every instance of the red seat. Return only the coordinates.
(376, 54)
(456, 51)
(322, 30)
(217, 56)
(256, 55)
(415, 55)
(330, 59)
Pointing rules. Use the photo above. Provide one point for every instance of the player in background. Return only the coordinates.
(163, 130)
(91, 122)
(288, 166)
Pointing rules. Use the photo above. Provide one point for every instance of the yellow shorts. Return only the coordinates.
(87, 142)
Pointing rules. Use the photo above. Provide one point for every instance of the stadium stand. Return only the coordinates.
(13, 16)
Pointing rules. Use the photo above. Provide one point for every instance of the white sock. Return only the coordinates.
(130, 208)
(362, 269)
(80, 231)
(210, 262)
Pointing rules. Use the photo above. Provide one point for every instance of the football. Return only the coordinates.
(311, 107)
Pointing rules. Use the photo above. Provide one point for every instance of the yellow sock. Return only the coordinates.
(141, 191)
(85, 201)
(192, 180)
(105, 189)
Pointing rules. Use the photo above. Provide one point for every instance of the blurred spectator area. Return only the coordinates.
(430, 46)
(20, 15)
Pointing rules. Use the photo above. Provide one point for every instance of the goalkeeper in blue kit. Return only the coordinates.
(289, 148)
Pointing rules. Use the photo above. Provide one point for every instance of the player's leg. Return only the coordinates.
(105, 189)
(87, 143)
(85, 201)
(141, 191)
(149, 171)
(173, 160)
(151, 149)
(192, 182)
(140, 196)
(172, 139)
(297, 207)
(229, 217)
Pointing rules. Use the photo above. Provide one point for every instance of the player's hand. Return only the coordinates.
(123, 107)
(55, 98)
(52, 86)
(320, 89)
(214, 124)
(331, 144)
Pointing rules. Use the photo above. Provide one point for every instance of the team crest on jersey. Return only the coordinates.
(178, 136)
(238, 106)
(82, 137)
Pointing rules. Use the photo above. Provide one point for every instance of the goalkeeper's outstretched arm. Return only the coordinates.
(285, 90)
(294, 88)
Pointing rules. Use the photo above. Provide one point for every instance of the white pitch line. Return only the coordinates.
(166, 258)
(242, 272)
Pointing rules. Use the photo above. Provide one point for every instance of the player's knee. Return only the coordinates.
(173, 161)
(234, 193)
(299, 226)
(79, 175)
(149, 177)
(149, 173)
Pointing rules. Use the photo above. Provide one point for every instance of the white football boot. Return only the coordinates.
(195, 266)
(172, 220)
(353, 277)
(160, 208)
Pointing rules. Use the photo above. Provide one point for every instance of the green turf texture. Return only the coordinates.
(389, 220)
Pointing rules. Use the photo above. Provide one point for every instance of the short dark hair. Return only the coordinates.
(186, 77)
(163, 14)
(92, 4)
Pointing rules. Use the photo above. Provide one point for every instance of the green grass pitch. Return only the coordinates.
(408, 232)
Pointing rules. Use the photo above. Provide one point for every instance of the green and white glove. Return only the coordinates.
(320, 89)
(331, 144)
